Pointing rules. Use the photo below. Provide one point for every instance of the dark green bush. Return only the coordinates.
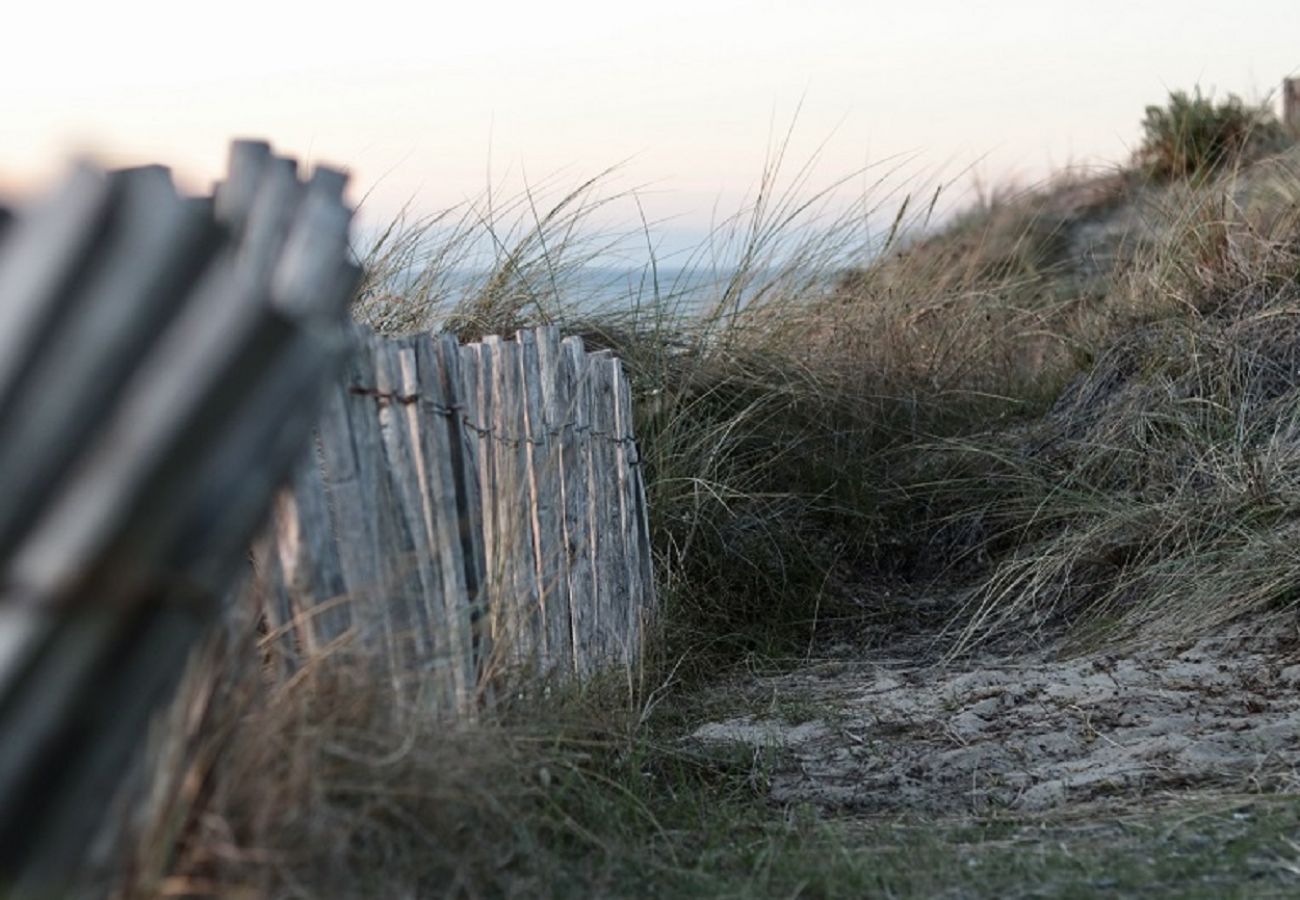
(1193, 135)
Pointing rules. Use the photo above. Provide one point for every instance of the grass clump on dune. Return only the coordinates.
(1193, 135)
(1156, 497)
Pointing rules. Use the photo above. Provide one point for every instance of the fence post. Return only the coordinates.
(1291, 103)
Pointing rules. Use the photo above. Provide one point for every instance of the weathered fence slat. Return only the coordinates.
(614, 624)
(556, 430)
(42, 255)
(584, 582)
(455, 594)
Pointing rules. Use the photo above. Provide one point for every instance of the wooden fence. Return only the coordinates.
(468, 510)
(161, 363)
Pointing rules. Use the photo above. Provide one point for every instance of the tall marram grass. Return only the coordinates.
(1156, 498)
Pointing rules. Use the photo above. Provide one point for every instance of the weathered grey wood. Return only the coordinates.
(41, 258)
(233, 198)
(273, 209)
(414, 581)
(128, 665)
(178, 400)
(543, 492)
(307, 273)
(460, 400)
(519, 511)
(480, 364)
(440, 448)
(615, 623)
(154, 248)
(301, 575)
(511, 541)
(578, 510)
(555, 400)
(632, 514)
(233, 477)
(381, 623)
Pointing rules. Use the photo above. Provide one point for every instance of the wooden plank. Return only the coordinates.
(513, 564)
(310, 270)
(245, 165)
(414, 579)
(443, 462)
(479, 370)
(154, 249)
(460, 396)
(632, 514)
(555, 391)
(521, 514)
(456, 509)
(579, 503)
(41, 257)
(274, 206)
(309, 558)
(101, 674)
(96, 541)
(607, 526)
(232, 478)
(387, 629)
(179, 399)
(543, 501)
(349, 482)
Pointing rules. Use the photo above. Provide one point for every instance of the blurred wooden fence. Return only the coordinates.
(468, 509)
(161, 363)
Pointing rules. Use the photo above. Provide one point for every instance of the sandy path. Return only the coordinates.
(1033, 734)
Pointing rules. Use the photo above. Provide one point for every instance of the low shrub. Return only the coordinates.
(1192, 134)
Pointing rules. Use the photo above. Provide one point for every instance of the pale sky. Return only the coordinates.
(417, 99)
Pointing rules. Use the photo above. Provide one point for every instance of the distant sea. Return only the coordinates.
(590, 288)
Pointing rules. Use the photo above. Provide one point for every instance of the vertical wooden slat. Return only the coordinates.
(272, 210)
(441, 451)
(545, 502)
(459, 395)
(555, 383)
(41, 258)
(579, 504)
(519, 511)
(311, 592)
(349, 445)
(483, 372)
(610, 550)
(233, 198)
(413, 582)
(635, 545)
(512, 539)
